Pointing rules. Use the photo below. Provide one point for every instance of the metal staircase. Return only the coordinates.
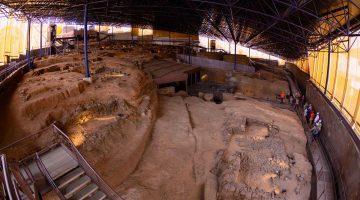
(59, 167)
(64, 173)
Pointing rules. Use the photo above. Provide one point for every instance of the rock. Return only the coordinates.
(210, 189)
(239, 95)
(168, 91)
(181, 93)
(277, 190)
(201, 95)
(208, 97)
(218, 97)
(228, 96)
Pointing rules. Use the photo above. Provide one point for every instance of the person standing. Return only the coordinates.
(317, 118)
(282, 96)
(311, 117)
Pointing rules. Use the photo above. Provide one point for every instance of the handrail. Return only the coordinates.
(24, 187)
(5, 72)
(61, 137)
(86, 166)
(23, 139)
(48, 177)
(7, 178)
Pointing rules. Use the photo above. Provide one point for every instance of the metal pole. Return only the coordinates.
(328, 67)
(229, 48)
(86, 61)
(189, 50)
(235, 57)
(41, 48)
(28, 43)
(112, 32)
(208, 45)
(169, 38)
(132, 36)
(99, 33)
(249, 52)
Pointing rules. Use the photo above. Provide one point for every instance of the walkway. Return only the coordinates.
(323, 173)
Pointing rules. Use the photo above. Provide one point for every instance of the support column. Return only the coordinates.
(142, 35)
(235, 57)
(328, 66)
(132, 36)
(169, 38)
(41, 47)
(28, 50)
(229, 48)
(208, 45)
(86, 61)
(52, 39)
(112, 32)
(189, 50)
(99, 34)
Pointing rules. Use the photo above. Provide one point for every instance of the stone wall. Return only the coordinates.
(341, 144)
(300, 76)
(211, 63)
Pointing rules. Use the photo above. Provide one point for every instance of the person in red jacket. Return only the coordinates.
(282, 96)
(312, 117)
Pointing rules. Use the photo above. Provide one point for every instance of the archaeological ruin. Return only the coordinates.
(179, 100)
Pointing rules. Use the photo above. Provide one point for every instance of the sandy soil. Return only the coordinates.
(109, 120)
(195, 141)
(195, 149)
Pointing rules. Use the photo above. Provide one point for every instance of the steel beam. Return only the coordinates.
(86, 61)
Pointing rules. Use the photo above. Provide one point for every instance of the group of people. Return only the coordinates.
(311, 117)
(313, 120)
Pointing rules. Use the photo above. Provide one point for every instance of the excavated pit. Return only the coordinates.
(150, 146)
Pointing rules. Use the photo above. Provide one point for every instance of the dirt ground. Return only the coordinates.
(187, 148)
(109, 119)
(194, 141)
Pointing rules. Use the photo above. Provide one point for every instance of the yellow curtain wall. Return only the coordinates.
(342, 83)
(12, 38)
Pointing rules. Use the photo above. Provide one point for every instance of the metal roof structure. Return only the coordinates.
(288, 28)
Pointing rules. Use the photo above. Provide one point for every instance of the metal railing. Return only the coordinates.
(48, 177)
(85, 165)
(5, 178)
(48, 137)
(12, 67)
(314, 145)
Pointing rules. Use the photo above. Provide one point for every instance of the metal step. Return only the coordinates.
(69, 177)
(85, 192)
(23, 196)
(57, 162)
(75, 186)
(98, 195)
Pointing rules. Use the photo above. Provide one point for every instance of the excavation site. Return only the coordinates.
(179, 100)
